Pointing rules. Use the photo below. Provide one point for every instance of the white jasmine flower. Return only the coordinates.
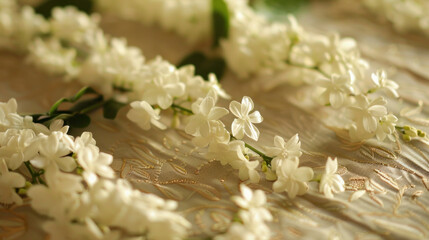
(53, 58)
(366, 113)
(117, 204)
(217, 134)
(243, 124)
(380, 80)
(205, 111)
(84, 140)
(337, 89)
(283, 150)
(246, 169)
(331, 182)
(70, 24)
(94, 163)
(60, 193)
(144, 115)
(120, 64)
(8, 116)
(386, 128)
(227, 152)
(9, 181)
(18, 146)
(254, 202)
(292, 179)
(28, 25)
(53, 151)
(163, 89)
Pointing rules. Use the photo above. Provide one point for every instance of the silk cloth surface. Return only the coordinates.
(395, 176)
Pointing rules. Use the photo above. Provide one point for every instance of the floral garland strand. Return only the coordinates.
(255, 45)
(406, 16)
(73, 185)
(85, 54)
(118, 70)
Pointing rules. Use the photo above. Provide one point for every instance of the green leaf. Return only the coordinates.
(278, 9)
(204, 65)
(78, 121)
(220, 17)
(45, 8)
(111, 108)
(83, 91)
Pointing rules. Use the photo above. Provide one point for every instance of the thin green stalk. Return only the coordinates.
(31, 170)
(183, 109)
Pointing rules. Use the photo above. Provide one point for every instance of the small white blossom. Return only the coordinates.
(331, 182)
(8, 182)
(62, 192)
(94, 163)
(217, 134)
(246, 170)
(144, 115)
(366, 113)
(337, 89)
(18, 146)
(380, 80)
(162, 90)
(292, 179)
(52, 57)
(243, 124)
(70, 24)
(283, 150)
(386, 128)
(227, 152)
(8, 116)
(53, 151)
(253, 201)
(205, 111)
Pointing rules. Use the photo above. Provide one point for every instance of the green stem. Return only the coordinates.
(31, 170)
(183, 109)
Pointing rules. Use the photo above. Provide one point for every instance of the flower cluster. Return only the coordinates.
(252, 217)
(256, 45)
(116, 69)
(290, 177)
(405, 15)
(73, 184)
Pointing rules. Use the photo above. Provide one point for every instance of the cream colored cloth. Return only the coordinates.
(394, 177)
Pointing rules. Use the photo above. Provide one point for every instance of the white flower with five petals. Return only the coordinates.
(8, 182)
(366, 113)
(386, 128)
(142, 114)
(243, 124)
(253, 201)
(204, 111)
(331, 182)
(380, 80)
(337, 89)
(62, 192)
(54, 152)
(94, 164)
(283, 150)
(292, 179)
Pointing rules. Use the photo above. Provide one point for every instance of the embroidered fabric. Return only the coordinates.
(393, 178)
